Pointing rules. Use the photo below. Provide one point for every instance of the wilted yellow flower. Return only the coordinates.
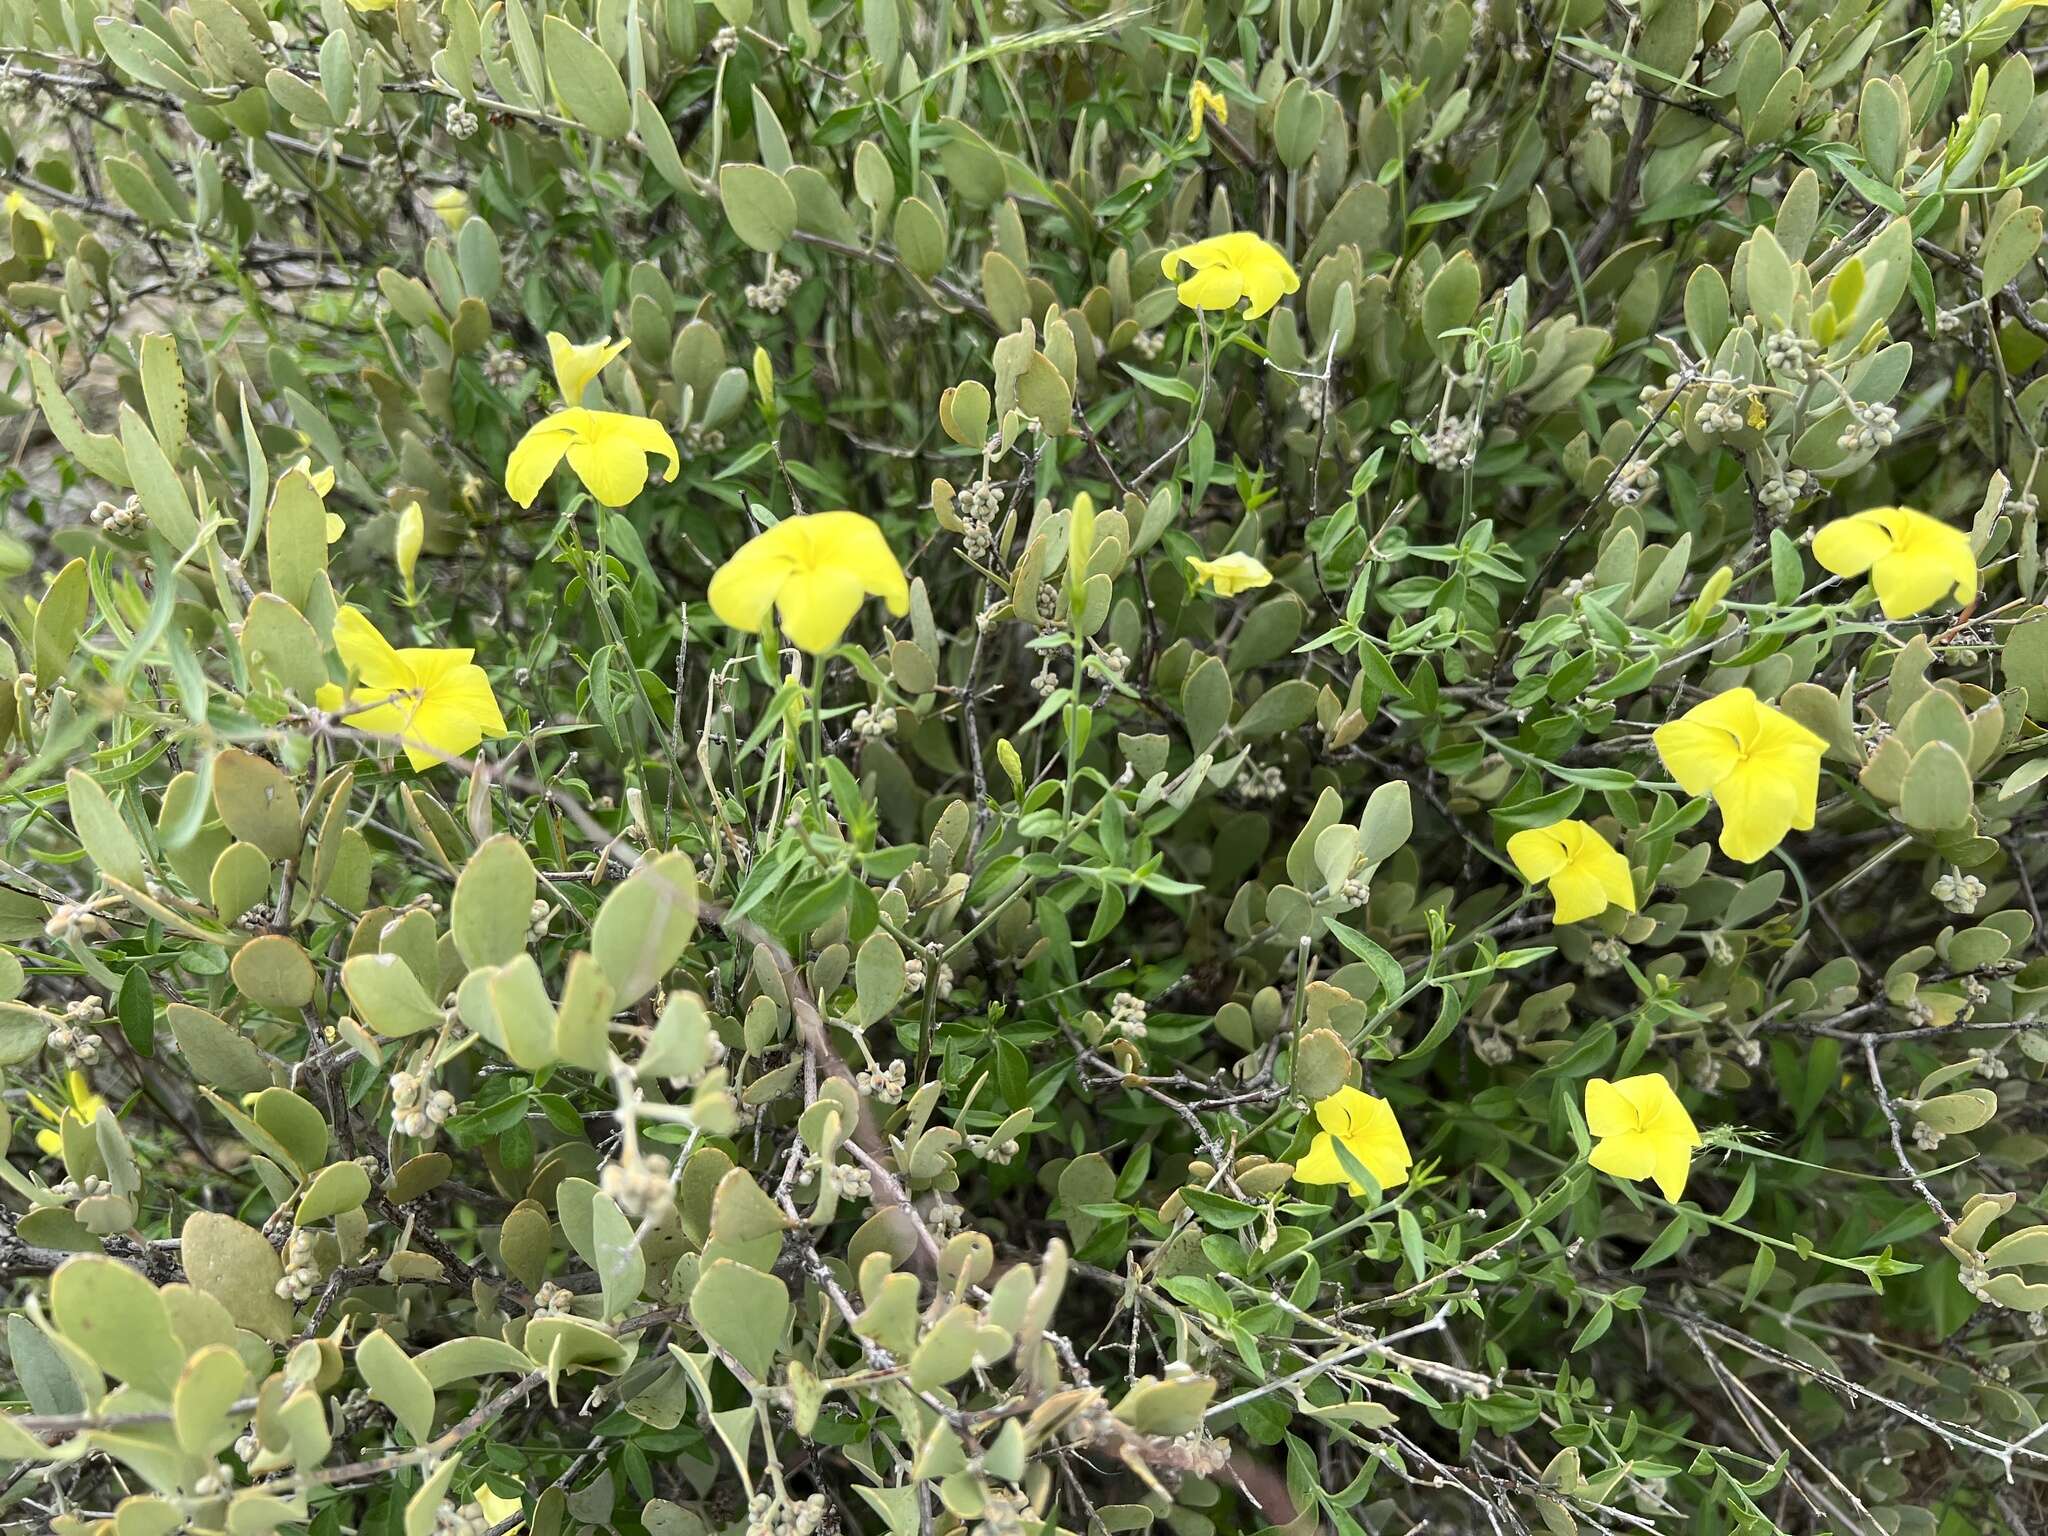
(80, 1100)
(1641, 1131)
(1761, 766)
(1585, 872)
(607, 449)
(1914, 561)
(1230, 574)
(813, 571)
(1367, 1128)
(15, 203)
(407, 543)
(436, 702)
(1229, 268)
(450, 205)
(1203, 100)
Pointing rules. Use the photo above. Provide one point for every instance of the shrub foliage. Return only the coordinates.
(1388, 883)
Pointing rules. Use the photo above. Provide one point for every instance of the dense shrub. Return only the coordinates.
(914, 767)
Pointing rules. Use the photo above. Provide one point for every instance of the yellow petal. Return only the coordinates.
(1849, 546)
(1231, 574)
(743, 590)
(1579, 894)
(368, 656)
(535, 456)
(815, 607)
(1537, 853)
(1629, 1156)
(610, 453)
(1757, 809)
(1608, 1111)
(1319, 1165)
(856, 543)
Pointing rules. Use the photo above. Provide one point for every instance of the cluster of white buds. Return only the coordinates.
(1925, 1136)
(1947, 322)
(1048, 604)
(1202, 1453)
(1957, 891)
(724, 42)
(503, 368)
(945, 1217)
(1975, 1278)
(247, 1446)
(885, 1083)
(1453, 445)
(1310, 399)
(994, 1151)
(873, 725)
(1605, 956)
(1872, 426)
(1267, 783)
(978, 504)
(1785, 489)
(301, 1267)
(1354, 890)
(1950, 22)
(640, 1186)
(1607, 96)
(768, 1515)
(91, 1187)
(1748, 1050)
(538, 916)
(852, 1181)
(1149, 344)
(264, 194)
(125, 517)
(1920, 1012)
(452, 1519)
(1704, 1068)
(1721, 409)
(1115, 660)
(1790, 355)
(417, 1110)
(1127, 1012)
(1975, 989)
(71, 921)
(1046, 683)
(1016, 14)
(79, 1047)
(700, 439)
(553, 1300)
(1991, 1066)
(1493, 1048)
(460, 122)
(1718, 950)
(1635, 482)
(775, 290)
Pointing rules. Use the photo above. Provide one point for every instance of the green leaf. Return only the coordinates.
(585, 80)
(115, 1315)
(743, 1312)
(758, 204)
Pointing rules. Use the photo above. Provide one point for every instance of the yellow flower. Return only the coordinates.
(813, 572)
(1228, 575)
(81, 1101)
(1641, 1131)
(607, 449)
(437, 703)
(1585, 873)
(1229, 268)
(450, 205)
(1367, 1128)
(577, 366)
(1201, 100)
(406, 544)
(1914, 560)
(1761, 766)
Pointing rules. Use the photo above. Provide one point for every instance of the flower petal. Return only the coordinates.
(1758, 807)
(1538, 852)
(576, 366)
(1608, 1110)
(535, 456)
